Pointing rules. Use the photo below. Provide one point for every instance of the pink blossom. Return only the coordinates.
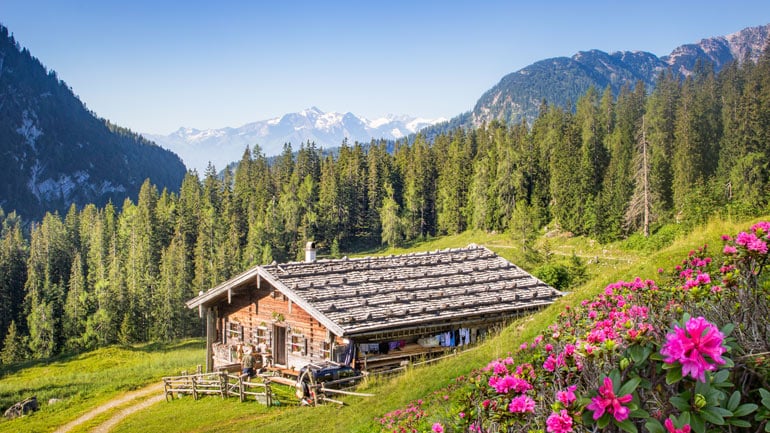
(559, 422)
(522, 404)
(760, 228)
(567, 397)
(729, 249)
(703, 279)
(438, 428)
(606, 401)
(671, 429)
(509, 383)
(758, 246)
(689, 346)
(744, 239)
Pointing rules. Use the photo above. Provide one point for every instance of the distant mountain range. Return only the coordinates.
(225, 145)
(55, 152)
(518, 96)
(562, 80)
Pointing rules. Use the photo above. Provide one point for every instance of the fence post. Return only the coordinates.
(194, 388)
(241, 387)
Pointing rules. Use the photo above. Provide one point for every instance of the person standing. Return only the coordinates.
(249, 362)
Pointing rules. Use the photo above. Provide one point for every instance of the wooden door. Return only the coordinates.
(279, 345)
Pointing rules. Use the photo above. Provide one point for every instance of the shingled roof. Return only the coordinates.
(353, 296)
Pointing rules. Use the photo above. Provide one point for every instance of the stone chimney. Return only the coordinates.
(310, 252)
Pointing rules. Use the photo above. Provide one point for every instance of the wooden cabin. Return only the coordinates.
(372, 312)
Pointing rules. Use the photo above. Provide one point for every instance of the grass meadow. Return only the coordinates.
(87, 380)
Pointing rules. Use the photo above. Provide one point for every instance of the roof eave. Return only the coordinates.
(211, 296)
(302, 303)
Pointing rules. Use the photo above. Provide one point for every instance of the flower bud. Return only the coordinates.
(624, 364)
(699, 401)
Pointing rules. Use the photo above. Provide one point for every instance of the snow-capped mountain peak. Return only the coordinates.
(225, 145)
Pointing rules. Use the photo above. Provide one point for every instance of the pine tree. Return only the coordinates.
(77, 306)
(640, 208)
(455, 164)
(13, 269)
(14, 349)
(659, 132)
(392, 233)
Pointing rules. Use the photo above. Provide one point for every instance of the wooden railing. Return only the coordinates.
(221, 383)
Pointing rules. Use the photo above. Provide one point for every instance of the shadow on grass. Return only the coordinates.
(156, 347)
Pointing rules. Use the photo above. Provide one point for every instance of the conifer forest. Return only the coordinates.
(606, 167)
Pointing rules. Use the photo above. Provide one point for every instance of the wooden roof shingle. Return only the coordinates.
(353, 296)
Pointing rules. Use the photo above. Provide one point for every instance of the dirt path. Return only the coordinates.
(125, 398)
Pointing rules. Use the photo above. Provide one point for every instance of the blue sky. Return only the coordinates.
(154, 66)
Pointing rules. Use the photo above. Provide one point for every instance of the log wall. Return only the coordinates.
(251, 317)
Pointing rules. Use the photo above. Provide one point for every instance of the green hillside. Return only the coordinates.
(85, 381)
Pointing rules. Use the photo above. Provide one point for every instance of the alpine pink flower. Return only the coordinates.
(567, 397)
(438, 428)
(607, 402)
(689, 347)
(559, 422)
(671, 429)
(522, 404)
(509, 383)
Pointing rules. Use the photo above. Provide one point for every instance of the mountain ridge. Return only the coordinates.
(561, 80)
(56, 152)
(222, 146)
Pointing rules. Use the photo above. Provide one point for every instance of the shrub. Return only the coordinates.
(684, 354)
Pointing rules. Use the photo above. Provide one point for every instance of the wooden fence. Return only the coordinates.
(221, 383)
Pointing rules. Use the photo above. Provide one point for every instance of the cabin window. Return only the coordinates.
(234, 331)
(298, 344)
(261, 337)
(326, 350)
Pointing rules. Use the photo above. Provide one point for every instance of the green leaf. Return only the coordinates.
(674, 375)
(734, 401)
(767, 427)
(712, 416)
(587, 417)
(728, 362)
(721, 376)
(603, 421)
(765, 398)
(684, 418)
(697, 424)
(728, 329)
(615, 377)
(745, 409)
(739, 422)
(627, 425)
(721, 411)
(639, 353)
(639, 413)
(629, 386)
(654, 426)
(681, 403)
